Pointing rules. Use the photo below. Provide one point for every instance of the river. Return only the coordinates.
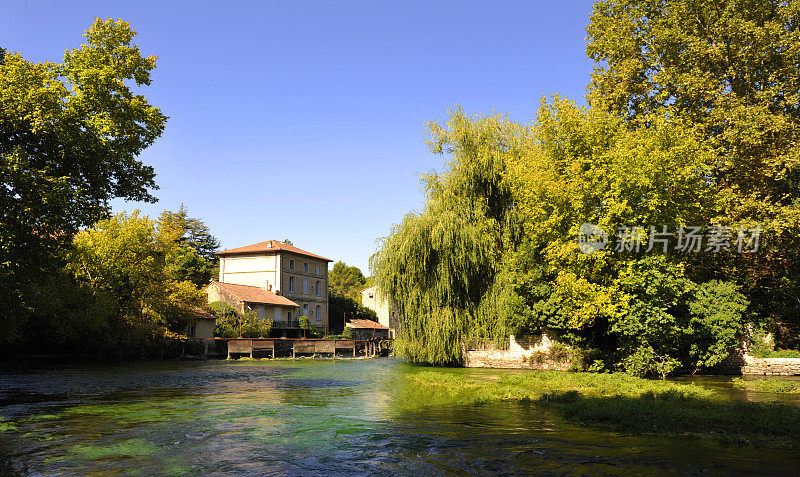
(310, 417)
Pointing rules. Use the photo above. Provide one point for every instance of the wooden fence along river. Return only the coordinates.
(314, 347)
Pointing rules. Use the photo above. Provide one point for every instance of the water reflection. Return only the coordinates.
(310, 417)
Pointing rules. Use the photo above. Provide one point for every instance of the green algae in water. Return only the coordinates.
(129, 448)
(175, 410)
(7, 426)
(43, 417)
(177, 470)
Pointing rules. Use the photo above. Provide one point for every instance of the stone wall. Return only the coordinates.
(771, 366)
(532, 353)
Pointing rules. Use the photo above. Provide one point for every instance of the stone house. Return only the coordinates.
(387, 312)
(276, 280)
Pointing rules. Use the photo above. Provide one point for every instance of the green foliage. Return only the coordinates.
(348, 333)
(194, 260)
(769, 385)
(672, 321)
(191, 232)
(442, 267)
(116, 293)
(346, 281)
(612, 401)
(781, 353)
(125, 257)
(231, 324)
(70, 134)
(185, 264)
(729, 71)
(221, 309)
(644, 361)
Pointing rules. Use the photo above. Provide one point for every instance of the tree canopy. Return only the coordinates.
(70, 134)
(122, 287)
(728, 69)
(346, 280)
(692, 121)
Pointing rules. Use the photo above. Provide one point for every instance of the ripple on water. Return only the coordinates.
(308, 418)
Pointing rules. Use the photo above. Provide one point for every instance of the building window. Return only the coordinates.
(291, 284)
(305, 286)
(305, 267)
(319, 288)
(305, 309)
(288, 316)
(319, 313)
(291, 264)
(317, 269)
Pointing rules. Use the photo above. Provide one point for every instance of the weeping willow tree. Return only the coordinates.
(443, 267)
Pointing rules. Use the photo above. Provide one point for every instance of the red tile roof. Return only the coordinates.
(369, 324)
(200, 313)
(271, 246)
(253, 294)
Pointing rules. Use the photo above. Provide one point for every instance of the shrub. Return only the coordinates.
(645, 362)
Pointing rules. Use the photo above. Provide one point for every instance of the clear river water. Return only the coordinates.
(317, 417)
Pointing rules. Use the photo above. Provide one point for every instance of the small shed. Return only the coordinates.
(201, 325)
(367, 329)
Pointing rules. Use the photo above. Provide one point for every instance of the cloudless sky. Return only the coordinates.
(306, 119)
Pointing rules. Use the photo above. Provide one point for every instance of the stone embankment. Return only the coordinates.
(543, 353)
(535, 353)
(771, 366)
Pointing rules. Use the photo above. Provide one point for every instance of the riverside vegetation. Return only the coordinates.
(622, 402)
(692, 120)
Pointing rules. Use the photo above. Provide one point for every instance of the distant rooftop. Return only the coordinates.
(271, 246)
(250, 294)
(365, 324)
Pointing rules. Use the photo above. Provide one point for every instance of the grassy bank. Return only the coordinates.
(768, 385)
(619, 402)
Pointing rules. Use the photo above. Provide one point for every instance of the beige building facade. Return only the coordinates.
(280, 270)
(387, 312)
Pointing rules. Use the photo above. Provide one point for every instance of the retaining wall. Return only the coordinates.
(521, 354)
(771, 366)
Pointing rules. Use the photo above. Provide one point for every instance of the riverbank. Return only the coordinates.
(621, 403)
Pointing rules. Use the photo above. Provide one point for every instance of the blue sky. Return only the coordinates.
(306, 120)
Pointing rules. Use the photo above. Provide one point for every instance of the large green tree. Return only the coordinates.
(130, 260)
(494, 251)
(442, 267)
(191, 232)
(194, 258)
(730, 70)
(346, 280)
(70, 134)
